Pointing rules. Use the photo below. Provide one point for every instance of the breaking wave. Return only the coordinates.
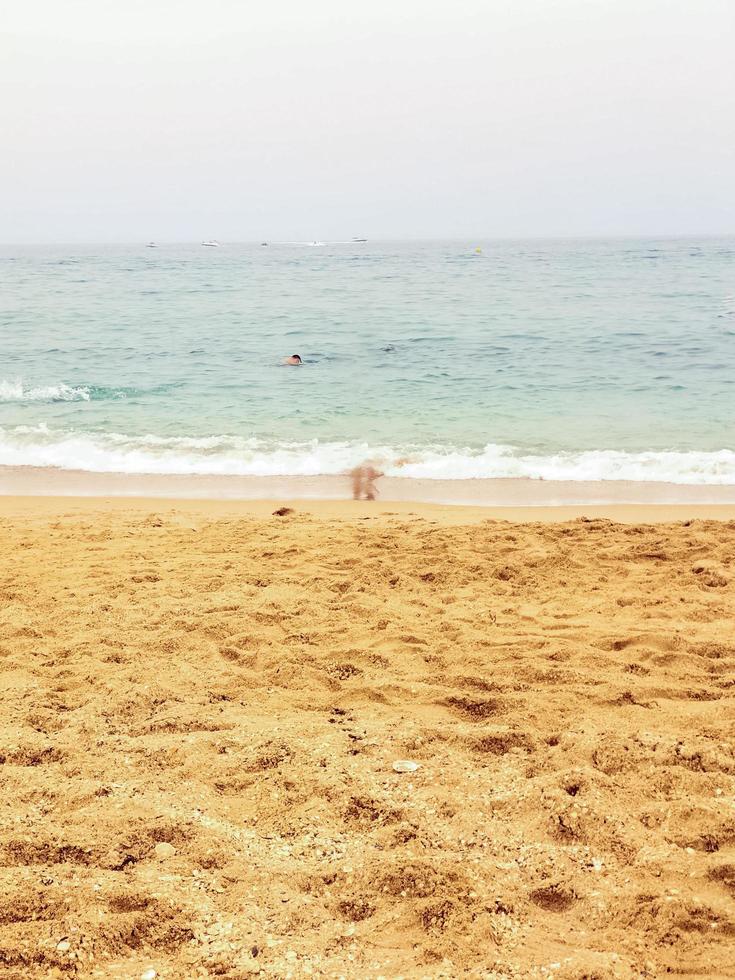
(236, 456)
(16, 391)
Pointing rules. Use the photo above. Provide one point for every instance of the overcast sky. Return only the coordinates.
(174, 120)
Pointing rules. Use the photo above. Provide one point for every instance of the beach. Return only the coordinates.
(367, 491)
(203, 703)
(482, 726)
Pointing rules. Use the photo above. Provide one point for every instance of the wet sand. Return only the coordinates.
(43, 481)
(202, 703)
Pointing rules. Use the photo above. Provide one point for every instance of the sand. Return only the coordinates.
(50, 482)
(202, 705)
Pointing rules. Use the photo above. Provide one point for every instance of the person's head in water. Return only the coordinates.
(293, 359)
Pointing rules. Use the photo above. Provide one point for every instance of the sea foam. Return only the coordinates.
(223, 455)
(17, 391)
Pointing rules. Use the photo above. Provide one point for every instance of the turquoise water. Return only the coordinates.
(579, 359)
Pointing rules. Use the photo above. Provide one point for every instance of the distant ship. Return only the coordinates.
(151, 245)
(359, 240)
(212, 244)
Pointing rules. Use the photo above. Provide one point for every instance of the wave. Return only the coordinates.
(16, 391)
(19, 391)
(238, 456)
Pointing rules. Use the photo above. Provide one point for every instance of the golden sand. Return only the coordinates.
(202, 705)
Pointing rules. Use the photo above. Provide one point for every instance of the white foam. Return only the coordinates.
(237, 456)
(16, 391)
(599, 464)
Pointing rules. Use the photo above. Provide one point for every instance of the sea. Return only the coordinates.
(590, 360)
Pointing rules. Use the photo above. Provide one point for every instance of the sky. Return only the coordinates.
(243, 120)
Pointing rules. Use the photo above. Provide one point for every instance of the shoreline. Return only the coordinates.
(23, 481)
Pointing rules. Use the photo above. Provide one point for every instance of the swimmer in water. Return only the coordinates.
(293, 359)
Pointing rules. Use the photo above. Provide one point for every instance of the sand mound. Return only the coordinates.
(200, 719)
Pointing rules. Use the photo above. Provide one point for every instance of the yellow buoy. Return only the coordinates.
(478, 250)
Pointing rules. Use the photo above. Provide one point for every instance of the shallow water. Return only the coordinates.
(568, 360)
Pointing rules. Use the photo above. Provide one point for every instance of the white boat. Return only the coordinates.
(151, 245)
(212, 244)
(340, 241)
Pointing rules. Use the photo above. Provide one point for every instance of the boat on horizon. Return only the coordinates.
(211, 244)
(151, 245)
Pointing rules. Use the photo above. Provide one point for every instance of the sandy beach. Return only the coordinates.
(367, 491)
(203, 703)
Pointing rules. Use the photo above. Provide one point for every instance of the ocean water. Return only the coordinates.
(576, 360)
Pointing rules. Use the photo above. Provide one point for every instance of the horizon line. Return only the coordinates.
(670, 236)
